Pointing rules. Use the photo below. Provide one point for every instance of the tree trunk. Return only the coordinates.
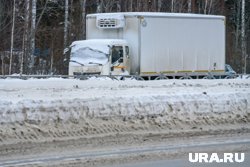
(243, 37)
(237, 11)
(41, 15)
(139, 6)
(22, 54)
(98, 6)
(2, 59)
(33, 35)
(189, 6)
(172, 6)
(130, 5)
(159, 5)
(1, 14)
(210, 7)
(12, 35)
(118, 6)
(83, 6)
(205, 7)
(52, 57)
(26, 44)
(66, 16)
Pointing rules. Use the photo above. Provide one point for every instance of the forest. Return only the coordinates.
(34, 34)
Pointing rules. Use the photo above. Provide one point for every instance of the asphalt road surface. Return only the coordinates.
(174, 161)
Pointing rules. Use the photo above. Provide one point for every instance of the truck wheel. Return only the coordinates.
(209, 77)
(229, 77)
(187, 77)
(161, 78)
(139, 78)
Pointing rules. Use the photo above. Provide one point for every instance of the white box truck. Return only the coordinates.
(150, 44)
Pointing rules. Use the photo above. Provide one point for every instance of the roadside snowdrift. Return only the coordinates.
(45, 101)
(67, 107)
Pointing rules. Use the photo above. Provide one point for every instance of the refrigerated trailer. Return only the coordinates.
(150, 44)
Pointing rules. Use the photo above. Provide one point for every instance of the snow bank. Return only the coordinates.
(44, 101)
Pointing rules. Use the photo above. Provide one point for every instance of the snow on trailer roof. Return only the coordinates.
(156, 14)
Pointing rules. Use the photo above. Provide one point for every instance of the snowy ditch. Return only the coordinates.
(45, 101)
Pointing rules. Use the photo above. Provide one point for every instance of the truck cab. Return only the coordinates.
(99, 57)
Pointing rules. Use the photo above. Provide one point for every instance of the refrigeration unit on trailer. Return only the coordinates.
(150, 44)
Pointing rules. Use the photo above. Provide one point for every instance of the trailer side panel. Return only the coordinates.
(179, 44)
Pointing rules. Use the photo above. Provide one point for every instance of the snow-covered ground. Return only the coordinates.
(43, 117)
(49, 100)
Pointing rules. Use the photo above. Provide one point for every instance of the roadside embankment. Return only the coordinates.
(43, 110)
